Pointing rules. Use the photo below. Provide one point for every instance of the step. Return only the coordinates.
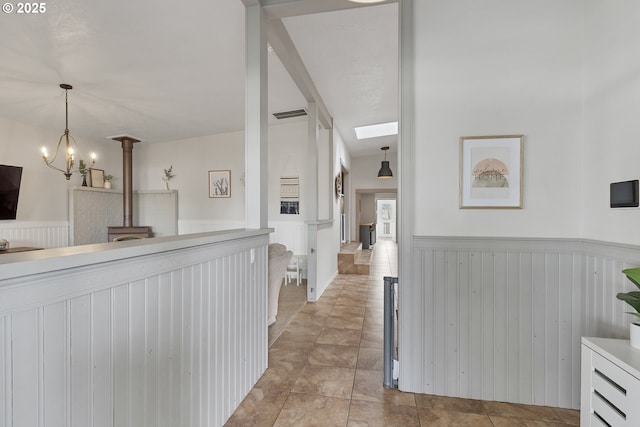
(350, 247)
(352, 259)
(363, 262)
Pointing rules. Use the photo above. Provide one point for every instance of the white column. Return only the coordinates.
(312, 155)
(410, 295)
(312, 200)
(256, 167)
(331, 194)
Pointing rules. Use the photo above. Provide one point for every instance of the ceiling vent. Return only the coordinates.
(290, 114)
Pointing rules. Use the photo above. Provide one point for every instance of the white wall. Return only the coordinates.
(192, 159)
(43, 191)
(287, 157)
(364, 171)
(490, 68)
(612, 103)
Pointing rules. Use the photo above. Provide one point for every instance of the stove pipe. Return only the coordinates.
(127, 178)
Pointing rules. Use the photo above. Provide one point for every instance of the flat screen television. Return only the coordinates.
(10, 177)
(624, 194)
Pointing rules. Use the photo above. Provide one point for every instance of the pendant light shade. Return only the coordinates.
(385, 170)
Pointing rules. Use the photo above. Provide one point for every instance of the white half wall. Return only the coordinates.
(169, 332)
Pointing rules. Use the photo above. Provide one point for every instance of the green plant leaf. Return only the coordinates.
(631, 298)
(633, 274)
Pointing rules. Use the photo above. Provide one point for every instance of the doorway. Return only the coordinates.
(386, 219)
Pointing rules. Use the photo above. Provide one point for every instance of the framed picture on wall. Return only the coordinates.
(97, 177)
(219, 184)
(491, 172)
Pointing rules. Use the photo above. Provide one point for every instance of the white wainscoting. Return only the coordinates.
(40, 234)
(502, 318)
(603, 314)
(176, 336)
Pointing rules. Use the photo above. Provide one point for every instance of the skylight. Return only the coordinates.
(381, 129)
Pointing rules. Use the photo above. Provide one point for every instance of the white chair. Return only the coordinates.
(293, 270)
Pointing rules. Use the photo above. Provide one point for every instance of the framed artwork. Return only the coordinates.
(97, 177)
(219, 184)
(491, 172)
(290, 195)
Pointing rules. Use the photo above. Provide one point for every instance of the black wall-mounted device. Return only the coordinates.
(624, 194)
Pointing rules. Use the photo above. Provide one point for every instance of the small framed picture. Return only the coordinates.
(97, 177)
(219, 184)
(491, 172)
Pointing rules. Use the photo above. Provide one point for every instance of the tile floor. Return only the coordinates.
(326, 369)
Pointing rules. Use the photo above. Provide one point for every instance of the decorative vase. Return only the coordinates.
(84, 180)
(107, 185)
(634, 335)
(166, 183)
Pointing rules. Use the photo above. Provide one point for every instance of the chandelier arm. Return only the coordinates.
(57, 149)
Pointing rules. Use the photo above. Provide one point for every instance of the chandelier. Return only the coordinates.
(69, 144)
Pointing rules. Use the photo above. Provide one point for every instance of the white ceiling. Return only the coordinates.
(166, 71)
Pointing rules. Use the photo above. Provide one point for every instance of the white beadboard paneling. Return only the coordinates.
(35, 234)
(498, 318)
(5, 372)
(180, 346)
(24, 394)
(55, 363)
(603, 315)
(81, 360)
(501, 319)
(102, 354)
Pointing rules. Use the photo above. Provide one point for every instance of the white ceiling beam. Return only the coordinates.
(285, 49)
(286, 8)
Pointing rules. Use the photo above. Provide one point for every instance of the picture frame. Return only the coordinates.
(97, 177)
(219, 184)
(491, 172)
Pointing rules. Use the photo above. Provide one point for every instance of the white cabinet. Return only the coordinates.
(610, 390)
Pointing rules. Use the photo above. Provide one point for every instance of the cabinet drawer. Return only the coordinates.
(610, 394)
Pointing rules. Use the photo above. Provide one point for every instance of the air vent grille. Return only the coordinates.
(290, 114)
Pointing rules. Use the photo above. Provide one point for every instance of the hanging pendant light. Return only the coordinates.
(385, 170)
(69, 151)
